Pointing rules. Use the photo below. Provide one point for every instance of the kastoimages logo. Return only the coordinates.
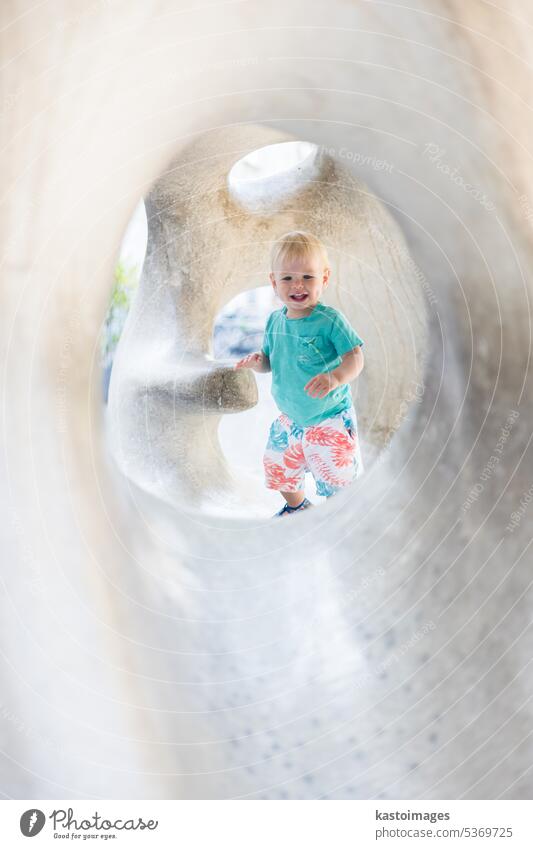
(32, 822)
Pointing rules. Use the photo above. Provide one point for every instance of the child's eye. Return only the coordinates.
(308, 276)
(286, 278)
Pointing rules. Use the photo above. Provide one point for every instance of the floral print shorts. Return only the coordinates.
(329, 450)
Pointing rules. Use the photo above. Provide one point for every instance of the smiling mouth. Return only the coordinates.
(298, 297)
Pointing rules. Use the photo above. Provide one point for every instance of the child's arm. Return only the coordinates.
(258, 362)
(351, 367)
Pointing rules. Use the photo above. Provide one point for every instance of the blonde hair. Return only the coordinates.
(295, 245)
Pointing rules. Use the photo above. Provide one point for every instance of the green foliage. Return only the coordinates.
(125, 281)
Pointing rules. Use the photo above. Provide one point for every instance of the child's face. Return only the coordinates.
(299, 283)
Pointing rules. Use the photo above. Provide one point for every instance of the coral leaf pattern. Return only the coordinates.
(318, 464)
(328, 450)
(294, 456)
(320, 435)
(343, 455)
(277, 479)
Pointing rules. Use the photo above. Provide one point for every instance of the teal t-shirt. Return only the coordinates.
(300, 348)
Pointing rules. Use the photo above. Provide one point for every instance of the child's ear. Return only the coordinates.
(327, 272)
(272, 279)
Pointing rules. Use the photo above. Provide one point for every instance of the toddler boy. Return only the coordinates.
(314, 353)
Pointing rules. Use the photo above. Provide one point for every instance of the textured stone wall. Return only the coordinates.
(205, 245)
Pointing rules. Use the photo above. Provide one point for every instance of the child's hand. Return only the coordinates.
(322, 384)
(253, 361)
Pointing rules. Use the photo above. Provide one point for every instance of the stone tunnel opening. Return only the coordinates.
(178, 411)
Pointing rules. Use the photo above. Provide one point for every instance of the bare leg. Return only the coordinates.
(294, 498)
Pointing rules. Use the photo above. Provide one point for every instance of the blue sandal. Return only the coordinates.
(286, 509)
